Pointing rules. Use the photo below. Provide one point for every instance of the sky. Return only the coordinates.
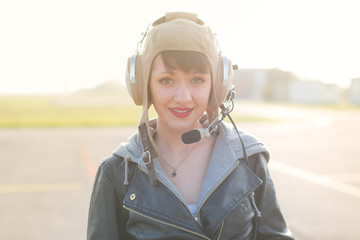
(55, 46)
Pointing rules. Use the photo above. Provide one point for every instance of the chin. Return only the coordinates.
(184, 126)
(181, 124)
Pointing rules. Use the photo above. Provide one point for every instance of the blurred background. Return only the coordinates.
(64, 106)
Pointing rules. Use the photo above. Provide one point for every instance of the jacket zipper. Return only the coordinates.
(221, 228)
(172, 225)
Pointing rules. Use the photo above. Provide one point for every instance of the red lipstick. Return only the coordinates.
(181, 112)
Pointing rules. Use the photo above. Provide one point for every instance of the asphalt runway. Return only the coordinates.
(47, 174)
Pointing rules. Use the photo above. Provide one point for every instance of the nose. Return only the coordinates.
(182, 93)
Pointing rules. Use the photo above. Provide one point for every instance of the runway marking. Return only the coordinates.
(315, 178)
(40, 187)
(346, 177)
(87, 161)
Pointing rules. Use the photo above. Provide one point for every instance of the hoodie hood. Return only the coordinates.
(132, 149)
(226, 137)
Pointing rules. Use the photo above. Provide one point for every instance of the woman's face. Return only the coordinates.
(179, 98)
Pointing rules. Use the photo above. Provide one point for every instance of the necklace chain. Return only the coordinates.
(174, 169)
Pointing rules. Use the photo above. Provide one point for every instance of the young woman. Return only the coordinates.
(216, 185)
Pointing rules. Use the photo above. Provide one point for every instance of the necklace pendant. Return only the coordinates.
(173, 174)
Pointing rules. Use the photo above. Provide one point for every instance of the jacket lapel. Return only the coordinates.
(159, 204)
(232, 191)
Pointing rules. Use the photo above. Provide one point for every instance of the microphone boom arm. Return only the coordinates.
(226, 107)
(197, 134)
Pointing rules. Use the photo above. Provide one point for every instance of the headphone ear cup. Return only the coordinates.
(133, 78)
(223, 81)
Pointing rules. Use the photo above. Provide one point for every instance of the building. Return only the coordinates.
(314, 92)
(278, 85)
(354, 91)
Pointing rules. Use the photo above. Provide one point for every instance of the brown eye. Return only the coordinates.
(166, 81)
(197, 80)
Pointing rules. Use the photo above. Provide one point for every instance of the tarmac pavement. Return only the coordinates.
(47, 173)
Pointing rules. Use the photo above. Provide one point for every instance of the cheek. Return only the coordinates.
(207, 93)
(202, 97)
(153, 91)
(159, 97)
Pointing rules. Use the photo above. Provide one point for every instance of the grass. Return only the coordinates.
(46, 111)
(75, 111)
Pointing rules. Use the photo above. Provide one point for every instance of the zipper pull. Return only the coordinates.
(252, 200)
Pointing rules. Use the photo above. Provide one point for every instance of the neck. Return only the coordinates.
(169, 140)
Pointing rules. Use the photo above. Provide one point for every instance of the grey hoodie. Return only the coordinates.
(227, 150)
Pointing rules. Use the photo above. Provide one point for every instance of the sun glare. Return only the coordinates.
(43, 51)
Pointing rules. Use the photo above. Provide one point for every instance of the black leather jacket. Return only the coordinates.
(142, 211)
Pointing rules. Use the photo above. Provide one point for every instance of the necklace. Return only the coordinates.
(174, 169)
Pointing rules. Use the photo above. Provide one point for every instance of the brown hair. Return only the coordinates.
(186, 61)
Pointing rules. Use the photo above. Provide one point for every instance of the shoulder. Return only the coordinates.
(234, 137)
(112, 165)
(114, 174)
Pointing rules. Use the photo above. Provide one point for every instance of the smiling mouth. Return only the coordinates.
(181, 112)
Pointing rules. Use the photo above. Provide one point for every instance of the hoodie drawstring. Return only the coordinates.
(127, 159)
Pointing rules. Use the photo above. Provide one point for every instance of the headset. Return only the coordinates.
(221, 67)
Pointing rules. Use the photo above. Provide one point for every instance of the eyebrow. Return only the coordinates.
(169, 71)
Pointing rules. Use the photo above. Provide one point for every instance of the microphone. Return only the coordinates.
(195, 135)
